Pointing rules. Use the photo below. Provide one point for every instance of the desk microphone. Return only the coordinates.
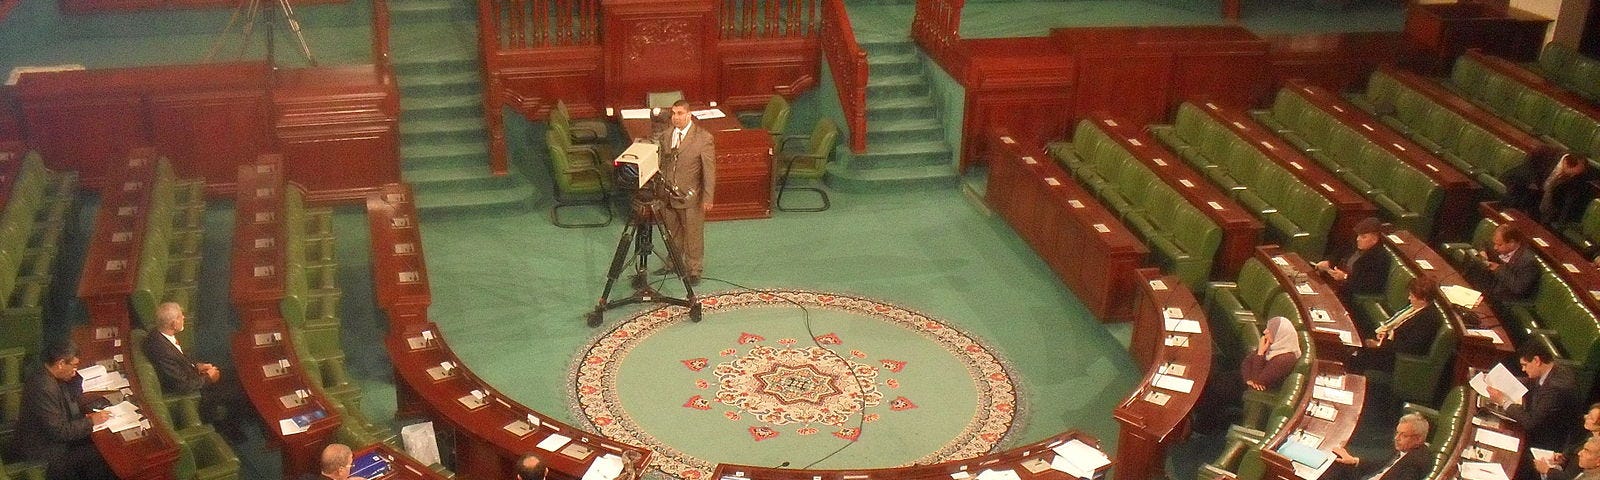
(781, 465)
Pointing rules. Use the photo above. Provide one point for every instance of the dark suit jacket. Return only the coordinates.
(1416, 335)
(178, 374)
(1413, 465)
(1548, 410)
(1368, 274)
(692, 168)
(50, 420)
(1516, 279)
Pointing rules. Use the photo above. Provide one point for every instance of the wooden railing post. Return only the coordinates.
(936, 27)
(848, 63)
(490, 45)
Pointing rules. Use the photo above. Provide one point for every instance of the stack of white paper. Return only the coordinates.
(97, 379)
(1490, 334)
(998, 475)
(1462, 296)
(1169, 382)
(1497, 440)
(1501, 379)
(707, 114)
(635, 114)
(1183, 326)
(1078, 459)
(124, 416)
(1483, 471)
(1334, 395)
(607, 467)
(553, 442)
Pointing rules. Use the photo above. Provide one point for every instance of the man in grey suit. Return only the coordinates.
(52, 427)
(688, 169)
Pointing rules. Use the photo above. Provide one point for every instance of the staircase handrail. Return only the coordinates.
(936, 27)
(768, 19)
(380, 44)
(848, 63)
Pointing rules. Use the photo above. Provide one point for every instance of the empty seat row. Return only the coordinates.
(36, 213)
(1570, 69)
(169, 259)
(1404, 196)
(1297, 216)
(1466, 145)
(1525, 107)
(1184, 239)
(1555, 316)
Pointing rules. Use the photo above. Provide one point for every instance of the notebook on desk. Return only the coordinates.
(370, 465)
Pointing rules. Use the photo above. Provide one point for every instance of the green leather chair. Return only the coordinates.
(1585, 235)
(1241, 442)
(662, 100)
(579, 131)
(810, 163)
(774, 118)
(1418, 378)
(578, 179)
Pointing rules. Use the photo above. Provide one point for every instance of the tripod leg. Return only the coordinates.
(618, 261)
(232, 20)
(677, 263)
(294, 27)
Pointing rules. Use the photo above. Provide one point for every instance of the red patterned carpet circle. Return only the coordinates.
(844, 382)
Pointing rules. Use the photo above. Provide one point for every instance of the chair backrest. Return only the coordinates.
(823, 138)
(775, 118)
(662, 99)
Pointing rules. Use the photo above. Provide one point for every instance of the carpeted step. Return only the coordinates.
(435, 65)
(429, 84)
(896, 86)
(441, 107)
(512, 199)
(444, 155)
(908, 130)
(882, 180)
(902, 64)
(904, 108)
(461, 178)
(904, 47)
(902, 154)
(424, 132)
(431, 11)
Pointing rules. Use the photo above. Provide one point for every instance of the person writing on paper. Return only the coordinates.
(688, 169)
(1409, 330)
(1552, 396)
(52, 427)
(1363, 270)
(531, 467)
(1587, 466)
(1510, 273)
(1408, 462)
(1563, 465)
(1274, 357)
(336, 462)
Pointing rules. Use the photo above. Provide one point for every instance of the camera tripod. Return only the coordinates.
(638, 236)
(253, 12)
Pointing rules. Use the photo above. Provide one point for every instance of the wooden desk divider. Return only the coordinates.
(1176, 355)
(1328, 378)
(146, 452)
(112, 262)
(1476, 421)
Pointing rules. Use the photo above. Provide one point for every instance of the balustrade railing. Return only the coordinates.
(526, 24)
(936, 27)
(767, 19)
(848, 62)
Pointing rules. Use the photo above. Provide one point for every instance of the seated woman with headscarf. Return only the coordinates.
(1274, 358)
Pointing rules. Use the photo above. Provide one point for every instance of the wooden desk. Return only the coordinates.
(138, 453)
(1081, 240)
(1336, 337)
(112, 263)
(1350, 205)
(1472, 351)
(1333, 433)
(399, 272)
(1012, 459)
(1454, 218)
(1440, 33)
(1154, 418)
(1473, 420)
(402, 466)
(485, 447)
(1241, 231)
(744, 165)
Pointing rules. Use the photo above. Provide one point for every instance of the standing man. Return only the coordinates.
(1409, 461)
(688, 165)
(52, 427)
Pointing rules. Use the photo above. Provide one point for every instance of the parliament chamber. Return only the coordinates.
(1177, 185)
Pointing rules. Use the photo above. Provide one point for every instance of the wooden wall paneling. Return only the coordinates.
(1438, 33)
(340, 118)
(1141, 73)
(209, 135)
(89, 134)
(660, 45)
(530, 81)
(753, 70)
(1023, 86)
(744, 175)
(10, 116)
(1236, 76)
(1131, 87)
(1336, 61)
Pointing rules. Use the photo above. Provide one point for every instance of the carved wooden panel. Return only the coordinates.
(744, 175)
(753, 70)
(531, 81)
(660, 46)
(209, 135)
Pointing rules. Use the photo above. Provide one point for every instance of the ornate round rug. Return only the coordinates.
(845, 382)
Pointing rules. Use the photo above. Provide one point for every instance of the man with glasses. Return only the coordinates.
(1551, 399)
(53, 427)
(1551, 468)
(1409, 461)
(1588, 467)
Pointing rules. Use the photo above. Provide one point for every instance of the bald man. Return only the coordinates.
(531, 467)
(336, 462)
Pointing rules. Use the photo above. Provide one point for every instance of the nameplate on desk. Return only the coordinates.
(1320, 316)
(263, 339)
(1305, 289)
(1322, 411)
(116, 265)
(442, 371)
(577, 451)
(1030, 161)
(267, 168)
(1135, 142)
(1278, 259)
(473, 402)
(1158, 285)
(132, 434)
(1331, 381)
(1424, 264)
(103, 333)
(399, 222)
(131, 186)
(1075, 203)
(1174, 383)
(263, 192)
(410, 277)
(394, 197)
(1342, 397)
(265, 242)
(1035, 465)
(127, 211)
(1177, 341)
(1182, 325)
(136, 162)
(1102, 228)
(1541, 242)
(1570, 267)
(264, 271)
(1214, 205)
(1507, 216)
(405, 248)
(1344, 335)
(1186, 183)
(1007, 140)
(417, 343)
(1395, 239)
(275, 369)
(520, 428)
(1173, 369)
(1052, 181)
(293, 399)
(1496, 439)
(1595, 294)
(119, 237)
(1158, 398)
(264, 217)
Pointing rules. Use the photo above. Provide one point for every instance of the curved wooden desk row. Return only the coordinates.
(112, 264)
(1474, 349)
(1479, 425)
(1082, 241)
(1322, 315)
(1575, 269)
(1535, 81)
(259, 250)
(1325, 420)
(146, 452)
(1240, 229)
(1172, 339)
(1031, 461)
(1454, 218)
(1350, 205)
(492, 431)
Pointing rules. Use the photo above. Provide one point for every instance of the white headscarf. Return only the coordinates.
(1284, 338)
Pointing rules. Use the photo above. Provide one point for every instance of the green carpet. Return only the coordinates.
(816, 380)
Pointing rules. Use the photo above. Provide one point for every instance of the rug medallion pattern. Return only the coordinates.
(793, 386)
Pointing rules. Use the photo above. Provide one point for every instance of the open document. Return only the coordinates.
(1501, 379)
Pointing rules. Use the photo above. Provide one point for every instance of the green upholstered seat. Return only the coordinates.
(578, 178)
(774, 118)
(809, 163)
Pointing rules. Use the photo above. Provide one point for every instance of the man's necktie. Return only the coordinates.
(677, 137)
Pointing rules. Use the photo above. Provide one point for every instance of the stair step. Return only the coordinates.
(441, 107)
(447, 155)
(902, 108)
(902, 154)
(430, 84)
(896, 68)
(514, 199)
(430, 11)
(884, 59)
(910, 130)
(414, 132)
(459, 178)
(411, 67)
(846, 179)
(889, 48)
(896, 86)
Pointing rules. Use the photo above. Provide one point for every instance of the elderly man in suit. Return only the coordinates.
(335, 463)
(1588, 465)
(52, 427)
(180, 374)
(1408, 462)
(688, 166)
